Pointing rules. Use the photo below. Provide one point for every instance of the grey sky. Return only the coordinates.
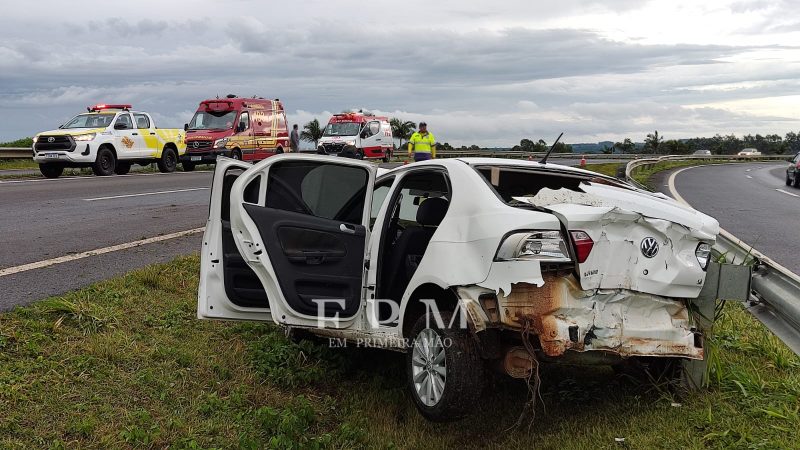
(477, 73)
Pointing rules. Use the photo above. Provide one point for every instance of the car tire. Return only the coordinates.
(122, 168)
(387, 156)
(188, 166)
(168, 161)
(796, 182)
(359, 154)
(51, 170)
(104, 163)
(278, 151)
(236, 154)
(457, 368)
(788, 180)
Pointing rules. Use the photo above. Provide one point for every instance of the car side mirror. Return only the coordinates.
(120, 126)
(186, 127)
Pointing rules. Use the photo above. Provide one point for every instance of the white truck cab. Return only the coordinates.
(109, 139)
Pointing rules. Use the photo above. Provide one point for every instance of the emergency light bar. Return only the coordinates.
(102, 106)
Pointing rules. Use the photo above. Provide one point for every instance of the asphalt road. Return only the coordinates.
(751, 201)
(45, 219)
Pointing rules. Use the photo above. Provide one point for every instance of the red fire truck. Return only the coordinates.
(248, 129)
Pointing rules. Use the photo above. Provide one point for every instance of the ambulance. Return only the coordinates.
(109, 139)
(247, 129)
(362, 134)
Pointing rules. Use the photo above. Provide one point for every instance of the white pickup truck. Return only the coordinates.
(109, 139)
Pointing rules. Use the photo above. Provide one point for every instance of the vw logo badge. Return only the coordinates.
(51, 139)
(649, 247)
(196, 144)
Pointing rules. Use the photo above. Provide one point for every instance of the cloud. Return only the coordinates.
(487, 76)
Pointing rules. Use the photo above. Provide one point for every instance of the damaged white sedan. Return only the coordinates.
(464, 264)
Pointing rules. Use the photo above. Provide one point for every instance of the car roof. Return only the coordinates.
(500, 162)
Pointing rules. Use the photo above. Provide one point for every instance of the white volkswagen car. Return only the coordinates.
(464, 264)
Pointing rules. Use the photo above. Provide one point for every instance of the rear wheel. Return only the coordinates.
(796, 182)
(105, 163)
(168, 161)
(188, 166)
(122, 168)
(51, 170)
(444, 369)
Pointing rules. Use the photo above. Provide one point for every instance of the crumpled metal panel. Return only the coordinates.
(565, 317)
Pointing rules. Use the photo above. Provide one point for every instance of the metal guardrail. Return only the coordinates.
(775, 298)
(16, 152)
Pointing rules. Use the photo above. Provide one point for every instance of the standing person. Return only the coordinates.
(294, 140)
(422, 144)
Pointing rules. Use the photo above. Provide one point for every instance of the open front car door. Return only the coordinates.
(300, 224)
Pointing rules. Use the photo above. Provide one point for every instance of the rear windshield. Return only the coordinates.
(511, 182)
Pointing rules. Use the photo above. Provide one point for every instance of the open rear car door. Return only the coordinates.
(300, 223)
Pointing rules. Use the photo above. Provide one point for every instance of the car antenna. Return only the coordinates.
(544, 160)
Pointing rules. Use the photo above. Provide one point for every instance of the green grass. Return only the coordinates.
(6, 164)
(125, 363)
(19, 143)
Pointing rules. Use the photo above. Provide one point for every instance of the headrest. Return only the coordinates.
(432, 211)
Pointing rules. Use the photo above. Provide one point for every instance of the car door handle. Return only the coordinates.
(377, 139)
(314, 258)
(152, 133)
(134, 134)
(344, 228)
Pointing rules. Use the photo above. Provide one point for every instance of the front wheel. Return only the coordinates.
(387, 156)
(444, 369)
(105, 163)
(278, 151)
(51, 170)
(236, 154)
(168, 161)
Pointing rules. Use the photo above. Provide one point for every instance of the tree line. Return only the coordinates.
(654, 142)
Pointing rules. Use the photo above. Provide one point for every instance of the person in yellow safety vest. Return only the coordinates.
(422, 144)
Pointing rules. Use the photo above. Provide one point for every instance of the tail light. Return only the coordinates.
(583, 244)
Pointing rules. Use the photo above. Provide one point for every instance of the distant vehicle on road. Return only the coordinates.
(357, 135)
(793, 172)
(109, 139)
(702, 153)
(247, 129)
(749, 152)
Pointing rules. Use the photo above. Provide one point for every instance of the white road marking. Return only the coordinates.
(748, 170)
(145, 193)
(99, 251)
(748, 176)
(788, 193)
(94, 177)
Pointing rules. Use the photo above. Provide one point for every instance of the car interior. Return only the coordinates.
(242, 286)
(417, 208)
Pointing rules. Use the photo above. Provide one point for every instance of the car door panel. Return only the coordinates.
(315, 259)
(229, 288)
(306, 237)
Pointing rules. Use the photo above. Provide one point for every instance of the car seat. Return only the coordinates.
(410, 246)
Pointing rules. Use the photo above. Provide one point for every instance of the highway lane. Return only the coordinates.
(44, 219)
(751, 201)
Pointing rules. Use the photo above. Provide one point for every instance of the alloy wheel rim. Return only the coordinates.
(428, 367)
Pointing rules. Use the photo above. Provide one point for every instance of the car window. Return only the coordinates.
(324, 190)
(416, 188)
(378, 197)
(142, 121)
(124, 119)
(244, 121)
